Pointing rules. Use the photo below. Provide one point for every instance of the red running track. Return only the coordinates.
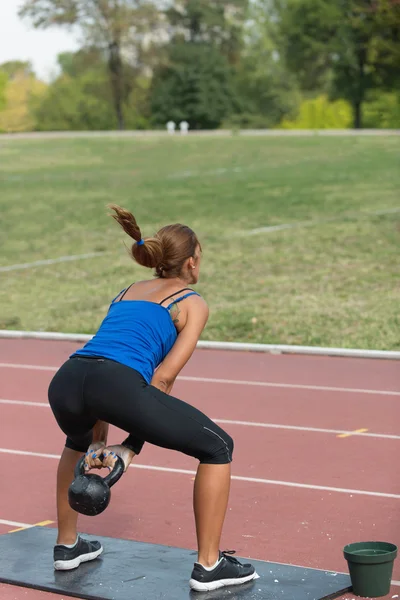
(299, 491)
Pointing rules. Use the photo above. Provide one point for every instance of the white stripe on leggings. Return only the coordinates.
(227, 447)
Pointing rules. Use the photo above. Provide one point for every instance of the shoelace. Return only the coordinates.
(227, 554)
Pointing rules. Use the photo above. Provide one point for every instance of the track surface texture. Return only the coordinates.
(315, 464)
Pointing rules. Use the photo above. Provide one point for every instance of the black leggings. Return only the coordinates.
(86, 390)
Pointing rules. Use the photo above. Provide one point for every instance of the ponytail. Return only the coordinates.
(166, 252)
(146, 252)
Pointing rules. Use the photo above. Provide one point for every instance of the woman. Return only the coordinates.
(124, 376)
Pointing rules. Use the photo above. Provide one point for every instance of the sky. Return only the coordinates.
(19, 40)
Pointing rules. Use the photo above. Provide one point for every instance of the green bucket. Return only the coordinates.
(370, 567)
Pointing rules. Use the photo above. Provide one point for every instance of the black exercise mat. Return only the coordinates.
(129, 570)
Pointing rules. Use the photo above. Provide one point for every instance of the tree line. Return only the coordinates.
(212, 63)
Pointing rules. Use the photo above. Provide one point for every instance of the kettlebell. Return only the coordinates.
(90, 494)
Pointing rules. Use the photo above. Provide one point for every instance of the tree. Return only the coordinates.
(304, 32)
(21, 89)
(388, 45)
(111, 26)
(195, 79)
(80, 98)
(76, 103)
(75, 64)
(213, 22)
(17, 68)
(364, 50)
(345, 46)
(267, 90)
(196, 85)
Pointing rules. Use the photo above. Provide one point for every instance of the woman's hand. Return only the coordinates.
(92, 460)
(110, 456)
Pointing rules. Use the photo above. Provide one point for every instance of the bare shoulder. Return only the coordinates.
(199, 302)
(198, 308)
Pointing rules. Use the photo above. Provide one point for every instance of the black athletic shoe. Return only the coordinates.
(70, 558)
(229, 571)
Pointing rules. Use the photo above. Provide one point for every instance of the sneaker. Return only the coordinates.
(70, 558)
(228, 571)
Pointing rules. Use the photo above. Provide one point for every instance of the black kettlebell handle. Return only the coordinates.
(114, 475)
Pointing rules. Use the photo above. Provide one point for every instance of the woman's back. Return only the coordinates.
(141, 326)
(163, 292)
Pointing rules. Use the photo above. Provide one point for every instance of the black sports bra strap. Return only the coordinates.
(128, 288)
(174, 294)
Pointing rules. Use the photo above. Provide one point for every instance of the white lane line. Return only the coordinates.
(295, 386)
(386, 436)
(50, 261)
(311, 429)
(14, 523)
(24, 403)
(210, 173)
(267, 229)
(338, 218)
(272, 228)
(292, 484)
(29, 367)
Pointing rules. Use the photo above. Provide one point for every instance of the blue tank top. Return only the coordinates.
(135, 333)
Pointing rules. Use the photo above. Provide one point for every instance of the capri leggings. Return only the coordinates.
(87, 389)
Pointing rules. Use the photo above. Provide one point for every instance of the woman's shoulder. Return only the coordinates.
(197, 302)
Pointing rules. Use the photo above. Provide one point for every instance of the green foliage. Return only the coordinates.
(195, 85)
(240, 64)
(3, 86)
(81, 98)
(386, 49)
(266, 91)
(137, 111)
(306, 30)
(382, 110)
(112, 27)
(20, 90)
(17, 67)
(320, 113)
(76, 104)
(213, 22)
(354, 71)
(77, 63)
(345, 46)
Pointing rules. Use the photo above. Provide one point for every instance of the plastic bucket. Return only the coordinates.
(370, 567)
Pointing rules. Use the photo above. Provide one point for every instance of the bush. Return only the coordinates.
(382, 111)
(320, 113)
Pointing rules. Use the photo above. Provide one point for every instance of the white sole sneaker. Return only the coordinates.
(198, 586)
(66, 565)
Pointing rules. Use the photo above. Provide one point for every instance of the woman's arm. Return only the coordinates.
(95, 450)
(100, 433)
(182, 350)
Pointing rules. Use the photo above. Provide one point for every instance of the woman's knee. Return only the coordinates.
(216, 446)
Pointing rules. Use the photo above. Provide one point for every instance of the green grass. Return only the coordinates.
(332, 283)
